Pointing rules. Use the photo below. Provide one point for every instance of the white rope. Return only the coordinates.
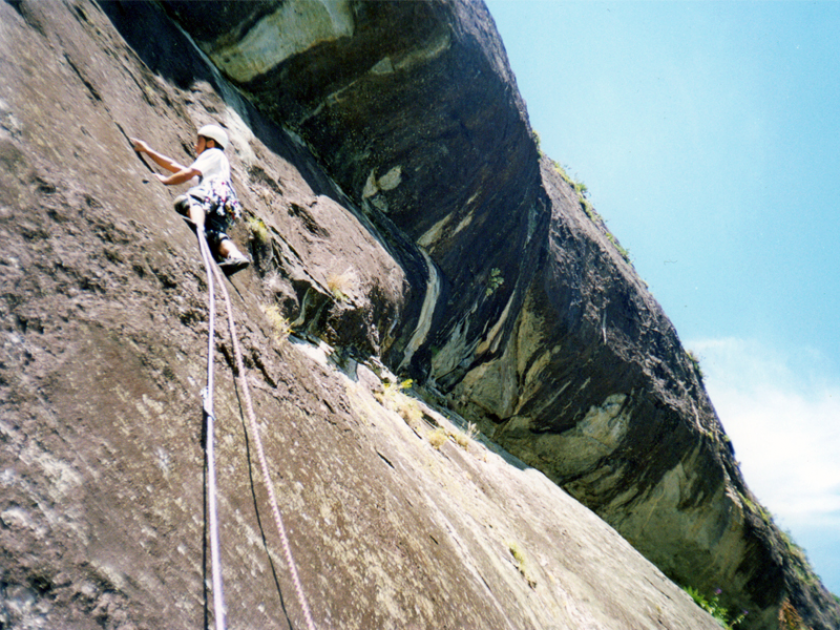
(249, 408)
(207, 394)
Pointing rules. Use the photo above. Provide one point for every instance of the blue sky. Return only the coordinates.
(708, 134)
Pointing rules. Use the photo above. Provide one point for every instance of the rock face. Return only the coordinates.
(400, 213)
(413, 110)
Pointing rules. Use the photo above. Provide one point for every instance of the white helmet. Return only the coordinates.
(216, 133)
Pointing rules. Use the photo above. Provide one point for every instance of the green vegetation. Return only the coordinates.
(583, 193)
(562, 172)
(789, 617)
(591, 212)
(714, 608)
(280, 325)
(799, 560)
(463, 438)
(521, 563)
(625, 253)
(494, 281)
(437, 437)
(537, 141)
(757, 509)
(258, 230)
(695, 363)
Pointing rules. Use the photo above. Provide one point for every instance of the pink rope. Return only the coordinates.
(249, 408)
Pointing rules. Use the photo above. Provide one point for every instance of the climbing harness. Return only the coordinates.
(218, 600)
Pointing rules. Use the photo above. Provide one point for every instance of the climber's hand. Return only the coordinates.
(140, 146)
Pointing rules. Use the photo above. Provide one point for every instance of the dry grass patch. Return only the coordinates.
(520, 560)
(463, 438)
(393, 399)
(341, 285)
(258, 230)
(280, 326)
(437, 437)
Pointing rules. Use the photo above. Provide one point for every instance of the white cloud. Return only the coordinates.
(783, 416)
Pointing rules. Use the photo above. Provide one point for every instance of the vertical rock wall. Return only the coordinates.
(542, 332)
(414, 111)
(406, 159)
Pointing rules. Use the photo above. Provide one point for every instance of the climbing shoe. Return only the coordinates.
(232, 264)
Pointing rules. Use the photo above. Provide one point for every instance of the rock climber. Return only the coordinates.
(212, 203)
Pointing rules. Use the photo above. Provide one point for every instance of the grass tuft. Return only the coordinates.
(341, 285)
(463, 438)
(280, 325)
(521, 563)
(393, 399)
(437, 437)
(695, 363)
(258, 230)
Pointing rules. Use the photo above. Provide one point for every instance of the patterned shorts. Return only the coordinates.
(215, 223)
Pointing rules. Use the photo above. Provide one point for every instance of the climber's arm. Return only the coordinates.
(160, 159)
(180, 177)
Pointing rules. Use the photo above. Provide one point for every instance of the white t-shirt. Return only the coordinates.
(215, 190)
(212, 163)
